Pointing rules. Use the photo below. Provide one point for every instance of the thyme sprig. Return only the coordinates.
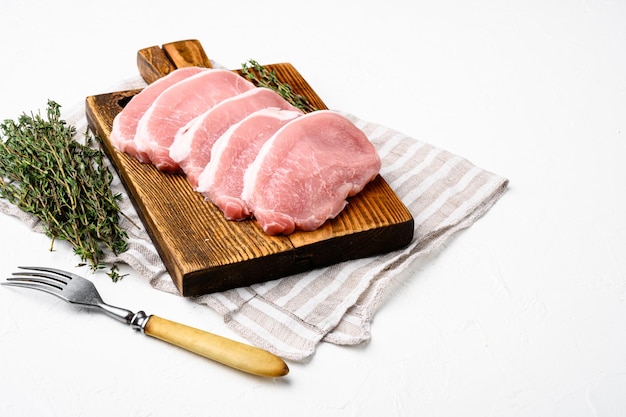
(262, 77)
(114, 274)
(44, 171)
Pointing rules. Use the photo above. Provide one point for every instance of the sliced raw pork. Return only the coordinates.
(304, 173)
(222, 179)
(177, 105)
(125, 123)
(193, 143)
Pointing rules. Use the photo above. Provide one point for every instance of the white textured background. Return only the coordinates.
(524, 314)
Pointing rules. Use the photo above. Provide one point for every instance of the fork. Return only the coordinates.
(82, 292)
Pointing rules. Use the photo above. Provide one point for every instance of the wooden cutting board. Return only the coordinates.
(202, 251)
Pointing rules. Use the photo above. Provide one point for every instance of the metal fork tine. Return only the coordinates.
(59, 272)
(40, 277)
(35, 285)
(65, 285)
(50, 279)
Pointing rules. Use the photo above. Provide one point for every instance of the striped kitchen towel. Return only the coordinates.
(445, 193)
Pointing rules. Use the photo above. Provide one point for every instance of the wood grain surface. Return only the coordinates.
(202, 251)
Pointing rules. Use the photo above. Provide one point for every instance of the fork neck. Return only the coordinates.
(137, 321)
(119, 314)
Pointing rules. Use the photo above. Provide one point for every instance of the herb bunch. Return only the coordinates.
(45, 172)
(262, 77)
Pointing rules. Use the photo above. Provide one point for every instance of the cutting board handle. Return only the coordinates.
(155, 62)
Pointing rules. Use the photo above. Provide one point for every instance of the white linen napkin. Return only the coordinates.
(445, 193)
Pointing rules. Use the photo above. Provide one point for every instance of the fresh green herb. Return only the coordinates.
(114, 274)
(262, 77)
(65, 184)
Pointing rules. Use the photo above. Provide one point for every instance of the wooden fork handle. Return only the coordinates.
(220, 349)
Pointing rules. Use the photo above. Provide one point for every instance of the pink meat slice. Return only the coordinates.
(222, 179)
(125, 123)
(192, 146)
(177, 105)
(304, 173)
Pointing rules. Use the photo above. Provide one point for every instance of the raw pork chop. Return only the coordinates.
(304, 173)
(180, 103)
(125, 123)
(222, 179)
(193, 143)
